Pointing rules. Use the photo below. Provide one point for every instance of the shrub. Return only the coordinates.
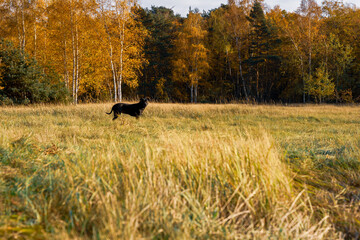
(24, 81)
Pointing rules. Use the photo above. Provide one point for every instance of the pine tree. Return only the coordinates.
(262, 60)
(161, 23)
(320, 85)
(23, 80)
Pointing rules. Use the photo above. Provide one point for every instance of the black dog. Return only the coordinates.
(134, 110)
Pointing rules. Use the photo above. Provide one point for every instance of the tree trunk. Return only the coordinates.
(192, 92)
(121, 14)
(20, 23)
(35, 39)
(301, 63)
(257, 83)
(303, 80)
(310, 48)
(240, 69)
(23, 26)
(74, 66)
(113, 69)
(74, 50)
(77, 66)
(66, 73)
(195, 93)
(122, 40)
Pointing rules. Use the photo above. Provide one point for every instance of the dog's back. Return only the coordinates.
(134, 110)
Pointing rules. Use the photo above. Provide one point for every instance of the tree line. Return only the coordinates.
(102, 50)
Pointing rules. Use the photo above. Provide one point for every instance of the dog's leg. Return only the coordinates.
(115, 115)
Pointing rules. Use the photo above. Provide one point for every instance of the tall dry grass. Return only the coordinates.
(181, 172)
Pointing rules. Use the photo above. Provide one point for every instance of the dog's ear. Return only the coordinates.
(147, 99)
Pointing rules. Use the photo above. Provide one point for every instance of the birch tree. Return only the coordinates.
(239, 28)
(125, 40)
(190, 64)
(309, 12)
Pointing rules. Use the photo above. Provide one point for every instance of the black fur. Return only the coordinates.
(134, 110)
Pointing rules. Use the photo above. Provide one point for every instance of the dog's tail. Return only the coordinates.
(110, 112)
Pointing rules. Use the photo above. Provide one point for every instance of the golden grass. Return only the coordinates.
(181, 172)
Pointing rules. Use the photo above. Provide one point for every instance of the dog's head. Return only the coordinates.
(145, 101)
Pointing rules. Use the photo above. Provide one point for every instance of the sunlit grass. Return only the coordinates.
(180, 172)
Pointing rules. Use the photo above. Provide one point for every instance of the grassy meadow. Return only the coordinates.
(180, 172)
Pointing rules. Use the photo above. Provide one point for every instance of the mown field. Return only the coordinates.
(180, 172)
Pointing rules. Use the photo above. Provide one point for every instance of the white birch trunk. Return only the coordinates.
(35, 39)
(111, 53)
(66, 73)
(74, 57)
(122, 40)
(23, 26)
(77, 65)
